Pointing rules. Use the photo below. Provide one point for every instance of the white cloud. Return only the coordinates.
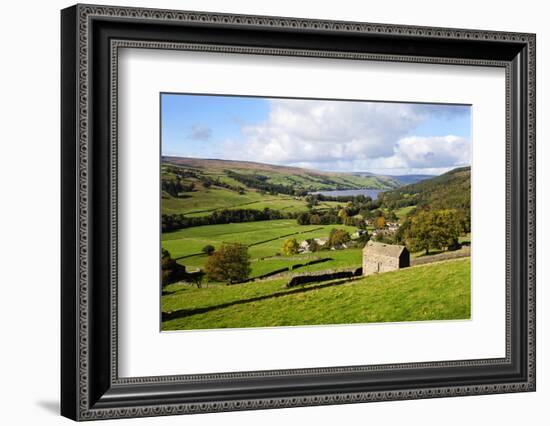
(436, 152)
(348, 136)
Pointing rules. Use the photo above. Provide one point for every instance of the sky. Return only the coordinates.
(328, 135)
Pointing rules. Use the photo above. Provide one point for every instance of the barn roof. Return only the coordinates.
(390, 250)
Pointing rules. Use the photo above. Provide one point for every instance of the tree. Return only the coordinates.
(433, 229)
(303, 219)
(419, 233)
(208, 249)
(171, 271)
(230, 263)
(366, 213)
(391, 216)
(337, 237)
(380, 222)
(290, 247)
(195, 278)
(400, 236)
(453, 226)
(343, 215)
(384, 237)
(312, 201)
(314, 219)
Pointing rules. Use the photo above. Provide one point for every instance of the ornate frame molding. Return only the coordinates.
(89, 407)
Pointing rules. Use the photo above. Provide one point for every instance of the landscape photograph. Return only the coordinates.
(280, 212)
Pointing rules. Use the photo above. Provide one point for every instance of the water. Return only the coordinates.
(373, 193)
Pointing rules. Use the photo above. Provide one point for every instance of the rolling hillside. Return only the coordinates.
(400, 179)
(450, 190)
(410, 179)
(199, 187)
(309, 180)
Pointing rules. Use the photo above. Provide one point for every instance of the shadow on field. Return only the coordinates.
(182, 313)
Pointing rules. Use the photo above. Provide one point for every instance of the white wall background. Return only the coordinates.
(29, 213)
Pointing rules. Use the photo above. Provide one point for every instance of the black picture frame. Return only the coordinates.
(90, 386)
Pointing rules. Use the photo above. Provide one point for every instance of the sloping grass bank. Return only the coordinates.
(438, 291)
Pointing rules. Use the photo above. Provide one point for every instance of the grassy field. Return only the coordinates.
(264, 240)
(403, 211)
(437, 291)
(205, 202)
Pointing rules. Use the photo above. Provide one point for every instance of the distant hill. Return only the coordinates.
(450, 190)
(400, 179)
(410, 179)
(298, 178)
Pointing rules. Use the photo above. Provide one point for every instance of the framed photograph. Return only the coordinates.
(263, 212)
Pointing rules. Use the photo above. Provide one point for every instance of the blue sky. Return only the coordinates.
(380, 137)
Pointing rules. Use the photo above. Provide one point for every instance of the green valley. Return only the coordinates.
(257, 226)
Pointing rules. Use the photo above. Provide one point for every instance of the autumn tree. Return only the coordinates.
(380, 222)
(290, 247)
(230, 263)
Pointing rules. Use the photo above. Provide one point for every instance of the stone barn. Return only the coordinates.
(380, 257)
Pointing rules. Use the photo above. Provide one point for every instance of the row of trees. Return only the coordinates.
(176, 180)
(175, 186)
(207, 182)
(344, 216)
(354, 213)
(260, 182)
(171, 222)
(331, 216)
(356, 202)
(318, 217)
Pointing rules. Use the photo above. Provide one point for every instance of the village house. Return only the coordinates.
(305, 246)
(359, 233)
(392, 226)
(380, 257)
(321, 242)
